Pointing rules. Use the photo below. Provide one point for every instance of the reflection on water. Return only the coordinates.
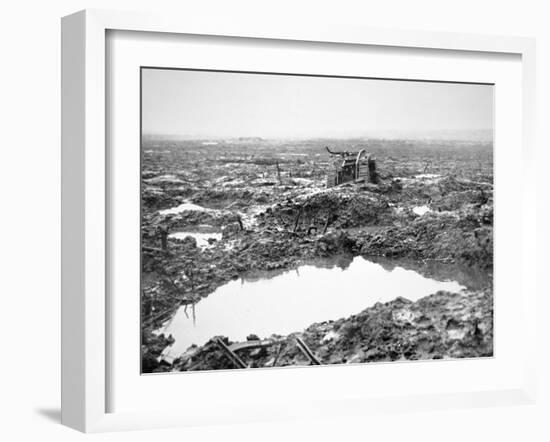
(473, 278)
(201, 238)
(288, 301)
(421, 210)
(427, 176)
(182, 208)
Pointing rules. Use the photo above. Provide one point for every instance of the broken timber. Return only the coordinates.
(152, 249)
(352, 166)
(250, 345)
(297, 221)
(279, 173)
(231, 354)
(306, 351)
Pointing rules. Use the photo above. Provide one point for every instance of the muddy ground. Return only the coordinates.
(267, 207)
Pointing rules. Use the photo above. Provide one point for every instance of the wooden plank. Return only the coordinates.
(297, 221)
(306, 351)
(249, 345)
(232, 356)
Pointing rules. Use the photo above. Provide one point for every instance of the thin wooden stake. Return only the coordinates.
(279, 351)
(297, 220)
(279, 173)
(326, 224)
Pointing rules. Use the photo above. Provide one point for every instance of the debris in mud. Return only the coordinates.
(253, 208)
(352, 167)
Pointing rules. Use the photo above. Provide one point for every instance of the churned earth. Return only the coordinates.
(215, 213)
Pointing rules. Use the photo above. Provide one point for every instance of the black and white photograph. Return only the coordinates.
(287, 220)
(300, 220)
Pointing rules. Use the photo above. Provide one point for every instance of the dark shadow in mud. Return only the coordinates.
(472, 278)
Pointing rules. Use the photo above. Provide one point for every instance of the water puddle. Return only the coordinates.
(201, 238)
(283, 302)
(248, 217)
(427, 176)
(183, 207)
(164, 179)
(303, 181)
(421, 210)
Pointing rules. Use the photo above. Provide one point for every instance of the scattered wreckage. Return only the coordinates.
(352, 167)
(311, 210)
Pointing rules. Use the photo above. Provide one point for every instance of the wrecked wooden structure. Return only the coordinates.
(231, 350)
(352, 167)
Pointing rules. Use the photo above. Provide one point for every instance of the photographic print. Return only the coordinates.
(297, 220)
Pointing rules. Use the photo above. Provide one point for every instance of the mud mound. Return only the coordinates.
(446, 193)
(466, 238)
(229, 198)
(337, 208)
(270, 250)
(157, 197)
(457, 200)
(443, 325)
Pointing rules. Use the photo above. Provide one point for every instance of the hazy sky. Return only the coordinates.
(219, 104)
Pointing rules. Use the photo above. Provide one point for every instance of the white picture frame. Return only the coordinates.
(85, 214)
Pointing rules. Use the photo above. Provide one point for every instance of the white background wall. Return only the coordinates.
(30, 221)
